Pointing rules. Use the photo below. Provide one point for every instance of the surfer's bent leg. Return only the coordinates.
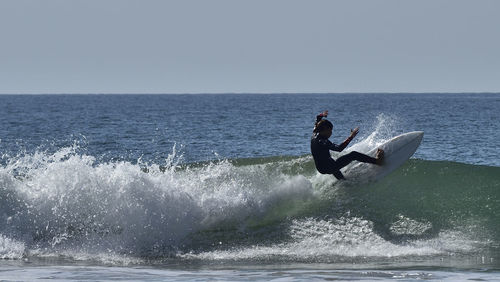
(333, 169)
(338, 175)
(354, 156)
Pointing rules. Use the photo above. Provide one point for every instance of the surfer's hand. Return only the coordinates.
(354, 132)
(323, 114)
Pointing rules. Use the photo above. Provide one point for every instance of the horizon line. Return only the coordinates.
(245, 93)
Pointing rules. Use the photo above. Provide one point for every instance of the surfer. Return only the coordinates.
(321, 146)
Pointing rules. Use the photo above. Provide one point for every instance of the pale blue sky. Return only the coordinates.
(221, 46)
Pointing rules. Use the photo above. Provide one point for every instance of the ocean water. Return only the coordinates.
(222, 187)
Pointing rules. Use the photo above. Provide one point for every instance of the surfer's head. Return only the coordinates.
(324, 127)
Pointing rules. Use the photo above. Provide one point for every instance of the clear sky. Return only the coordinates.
(254, 46)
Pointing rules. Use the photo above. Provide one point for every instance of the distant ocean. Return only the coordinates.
(223, 187)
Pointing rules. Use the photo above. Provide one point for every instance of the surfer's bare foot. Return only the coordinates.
(380, 156)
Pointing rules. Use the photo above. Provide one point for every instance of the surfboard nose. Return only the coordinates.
(418, 135)
(411, 137)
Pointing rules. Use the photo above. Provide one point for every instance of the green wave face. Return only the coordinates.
(423, 208)
(443, 194)
(438, 191)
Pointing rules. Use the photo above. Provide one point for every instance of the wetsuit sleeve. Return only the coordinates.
(318, 118)
(342, 146)
(325, 143)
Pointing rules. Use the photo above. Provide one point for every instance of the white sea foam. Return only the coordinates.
(68, 202)
(11, 249)
(334, 240)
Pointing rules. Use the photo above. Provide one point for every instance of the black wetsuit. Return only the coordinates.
(320, 149)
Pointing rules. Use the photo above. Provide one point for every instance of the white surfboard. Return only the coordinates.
(396, 152)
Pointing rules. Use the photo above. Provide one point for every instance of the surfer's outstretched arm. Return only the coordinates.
(346, 142)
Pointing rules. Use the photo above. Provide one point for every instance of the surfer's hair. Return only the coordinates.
(322, 125)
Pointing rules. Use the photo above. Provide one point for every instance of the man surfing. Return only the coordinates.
(321, 146)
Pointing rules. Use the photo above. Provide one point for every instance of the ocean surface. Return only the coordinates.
(223, 187)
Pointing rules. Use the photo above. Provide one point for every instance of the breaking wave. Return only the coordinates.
(69, 204)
